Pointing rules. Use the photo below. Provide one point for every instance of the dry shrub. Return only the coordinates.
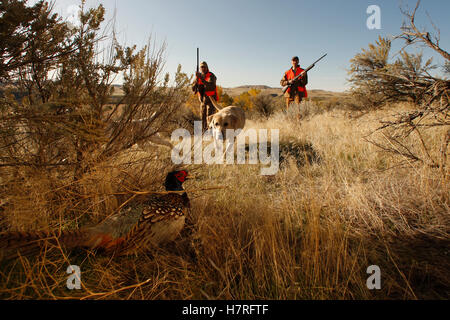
(377, 81)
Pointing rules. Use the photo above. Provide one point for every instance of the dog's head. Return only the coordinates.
(219, 123)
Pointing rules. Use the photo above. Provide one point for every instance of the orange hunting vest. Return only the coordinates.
(290, 75)
(209, 93)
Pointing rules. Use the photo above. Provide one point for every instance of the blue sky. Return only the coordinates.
(251, 41)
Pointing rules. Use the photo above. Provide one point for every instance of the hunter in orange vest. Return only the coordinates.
(297, 90)
(205, 87)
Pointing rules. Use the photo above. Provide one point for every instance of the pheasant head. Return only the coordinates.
(174, 180)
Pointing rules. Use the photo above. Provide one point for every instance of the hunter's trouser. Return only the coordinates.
(207, 109)
(297, 98)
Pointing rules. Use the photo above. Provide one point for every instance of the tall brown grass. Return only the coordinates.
(309, 232)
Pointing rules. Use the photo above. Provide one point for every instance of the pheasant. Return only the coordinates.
(147, 220)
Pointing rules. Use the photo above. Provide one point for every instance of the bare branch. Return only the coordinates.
(411, 34)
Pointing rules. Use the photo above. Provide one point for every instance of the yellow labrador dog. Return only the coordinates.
(227, 118)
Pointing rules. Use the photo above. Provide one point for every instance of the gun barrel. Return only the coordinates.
(320, 58)
(314, 64)
(198, 57)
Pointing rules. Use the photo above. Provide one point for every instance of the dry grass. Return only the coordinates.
(309, 232)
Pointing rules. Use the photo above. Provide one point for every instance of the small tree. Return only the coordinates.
(375, 81)
(263, 104)
(244, 100)
(56, 105)
(226, 100)
(31, 37)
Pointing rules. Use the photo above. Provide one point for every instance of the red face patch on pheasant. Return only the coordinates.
(181, 175)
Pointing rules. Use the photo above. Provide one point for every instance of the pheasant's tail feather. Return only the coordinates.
(15, 244)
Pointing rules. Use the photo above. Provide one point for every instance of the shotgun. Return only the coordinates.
(197, 70)
(303, 72)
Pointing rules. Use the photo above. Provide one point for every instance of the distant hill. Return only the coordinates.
(241, 89)
(317, 95)
(256, 86)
